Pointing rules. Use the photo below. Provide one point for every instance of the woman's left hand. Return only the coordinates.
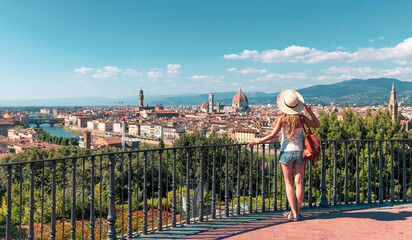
(251, 144)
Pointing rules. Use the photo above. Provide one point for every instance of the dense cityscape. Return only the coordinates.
(130, 126)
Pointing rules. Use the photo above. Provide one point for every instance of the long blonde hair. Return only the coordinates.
(291, 122)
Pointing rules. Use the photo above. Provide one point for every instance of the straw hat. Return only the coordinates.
(290, 102)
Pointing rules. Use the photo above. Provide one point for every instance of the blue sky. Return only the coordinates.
(83, 48)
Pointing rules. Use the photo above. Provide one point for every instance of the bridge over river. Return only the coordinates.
(51, 121)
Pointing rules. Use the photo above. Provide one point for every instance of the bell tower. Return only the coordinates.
(393, 104)
(211, 102)
(141, 97)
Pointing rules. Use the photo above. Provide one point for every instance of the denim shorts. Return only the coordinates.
(288, 158)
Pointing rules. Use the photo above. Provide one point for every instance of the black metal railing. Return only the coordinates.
(125, 194)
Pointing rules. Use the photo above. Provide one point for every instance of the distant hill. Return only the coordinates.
(358, 91)
(369, 91)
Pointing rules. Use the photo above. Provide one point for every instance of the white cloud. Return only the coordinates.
(340, 47)
(174, 66)
(108, 71)
(381, 38)
(244, 55)
(248, 71)
(82, 70)
(371, 40)
(173, 69)
(131, 72)
(296, 54)
(154, 75)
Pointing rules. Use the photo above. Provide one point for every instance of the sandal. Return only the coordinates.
(289, 215)
(294, 219)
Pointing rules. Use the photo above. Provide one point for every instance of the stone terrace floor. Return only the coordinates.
(364, 221)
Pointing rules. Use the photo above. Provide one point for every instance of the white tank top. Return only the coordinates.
(293, 144)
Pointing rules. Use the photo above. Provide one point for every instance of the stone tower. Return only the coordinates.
(87, 139)
(141, 97)
(210, 106)
(393, 104)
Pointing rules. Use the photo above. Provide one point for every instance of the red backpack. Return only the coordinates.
(311, 148)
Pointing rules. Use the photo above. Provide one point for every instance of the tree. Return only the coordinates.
(161, 144)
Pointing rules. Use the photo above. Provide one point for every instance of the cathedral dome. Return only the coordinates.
(239, 99)
(204, 105)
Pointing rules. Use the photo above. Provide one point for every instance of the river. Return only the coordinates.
(57, 131)
(54, 131)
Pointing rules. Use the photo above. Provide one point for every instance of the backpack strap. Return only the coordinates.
(302, 122)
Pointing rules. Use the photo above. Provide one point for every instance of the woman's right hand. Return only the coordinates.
(308, 108)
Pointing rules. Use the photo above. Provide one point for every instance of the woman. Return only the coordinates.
(291, 104)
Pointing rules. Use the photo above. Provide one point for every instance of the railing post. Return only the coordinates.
(346, 173)
(251, 180)
(310, 184)
(111, 218)
(214, 184)
(335, 160)
(73, 202)
(380, 173)
(201, 186)
(323, 199)
(275, 182)
(53, 203)
(92, 210)
(174, 190)
(227, 183)
(263, 178)
(129, 198)
(188, 186)
(144, 193)
(159, 202)
(404, 189)
(31, 206)
(392, 176)
(8, 221)
(357, 174)
(369, 174)
(238, 181)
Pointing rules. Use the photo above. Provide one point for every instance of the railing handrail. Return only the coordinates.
(366, 140)
(184, 147)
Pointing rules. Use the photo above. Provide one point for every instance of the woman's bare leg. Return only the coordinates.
(300, 188)
(290, 192)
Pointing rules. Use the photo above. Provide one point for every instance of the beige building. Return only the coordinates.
(20, 133)
(105, 126)
(83, 120)
(134, 129)
(243, 135)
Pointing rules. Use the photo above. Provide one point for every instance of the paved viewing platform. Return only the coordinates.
(362, 221)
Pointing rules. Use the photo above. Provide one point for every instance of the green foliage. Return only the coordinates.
(354, 126)
(161, 144)
(45, 137)
(410, 134)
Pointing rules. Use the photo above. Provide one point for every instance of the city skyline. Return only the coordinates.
(82, 49)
